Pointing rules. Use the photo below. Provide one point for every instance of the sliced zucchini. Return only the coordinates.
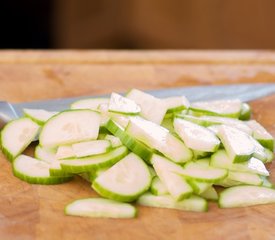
(90, 103)
(34, 171)
(159, 138)
(261, 135)
(220, 159)
(269, 155)
(40, 116)
(115, 141)
(241, 196)
(175, 104)
(238, 145)
(195, 136)
(94, 147)
(152, 109)
(245, 112)
(245, 178)
(70, 127)
(210, 194)
(207, 121)
(203, 173)
(120, 104)
(199, 187)
(55, 169)
(157, 187)
(193, 203)
(45, 154)
(167, 171)
(266, 182)
(87, 164)
(124, 181)
(17, 135)
(49, 156)
(226, 108)
(259, 151)
(100, 208)
(65, 152)
(131, 143)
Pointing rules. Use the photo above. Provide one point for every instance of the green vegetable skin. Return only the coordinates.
(137, 159)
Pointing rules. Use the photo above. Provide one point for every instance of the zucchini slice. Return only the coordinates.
(225, 108)
(17, 135)
(100, 208)
(159, 138)
(87, 164)
(241, 196)
(238, 145)
(195, 136)
(40, 116)
(35, 171)
(193, 203)
(89, 103)
(120, 104)
(152, 108)
(124, 181)
(69, 127)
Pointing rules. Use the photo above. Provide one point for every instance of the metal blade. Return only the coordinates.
(245, 92)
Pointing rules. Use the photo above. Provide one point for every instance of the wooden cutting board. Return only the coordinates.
(36, 212)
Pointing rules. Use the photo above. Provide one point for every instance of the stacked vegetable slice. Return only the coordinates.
(164, 153)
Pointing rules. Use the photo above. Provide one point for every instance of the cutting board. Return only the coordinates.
(36, 212)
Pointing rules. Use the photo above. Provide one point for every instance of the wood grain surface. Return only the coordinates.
(36, 212)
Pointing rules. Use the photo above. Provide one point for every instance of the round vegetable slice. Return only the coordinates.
(124, 181)
(34, 171)
(100, 208)
(70, 127)
(17, 135)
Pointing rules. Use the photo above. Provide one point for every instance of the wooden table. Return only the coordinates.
(36, 212)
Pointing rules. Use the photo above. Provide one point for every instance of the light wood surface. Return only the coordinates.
(36, 212)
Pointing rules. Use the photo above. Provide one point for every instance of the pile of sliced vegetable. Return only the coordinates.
(165, 153)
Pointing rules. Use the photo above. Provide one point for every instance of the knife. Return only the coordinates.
(245, 92)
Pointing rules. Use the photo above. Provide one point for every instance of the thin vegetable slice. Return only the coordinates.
(34, 171)
(90, 103)
(227, 108)
(221, 160)
(100, 208)
(261, 134)
(70, 127)
(124, 181)
(195, 136)
(159, 138)
(152, 108)
(40, 116)
(17, 135)
(167, 171)
(89, 148)
(131, 143)
(193, 203)
(120, 104)
(95, 162)
(241, 196)
(157, 187)
(237, 144)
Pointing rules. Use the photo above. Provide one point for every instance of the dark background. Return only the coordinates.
(137, 24)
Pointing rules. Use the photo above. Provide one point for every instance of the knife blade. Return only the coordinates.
(245, 92)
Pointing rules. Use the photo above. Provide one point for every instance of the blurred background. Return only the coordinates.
(137, 24)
